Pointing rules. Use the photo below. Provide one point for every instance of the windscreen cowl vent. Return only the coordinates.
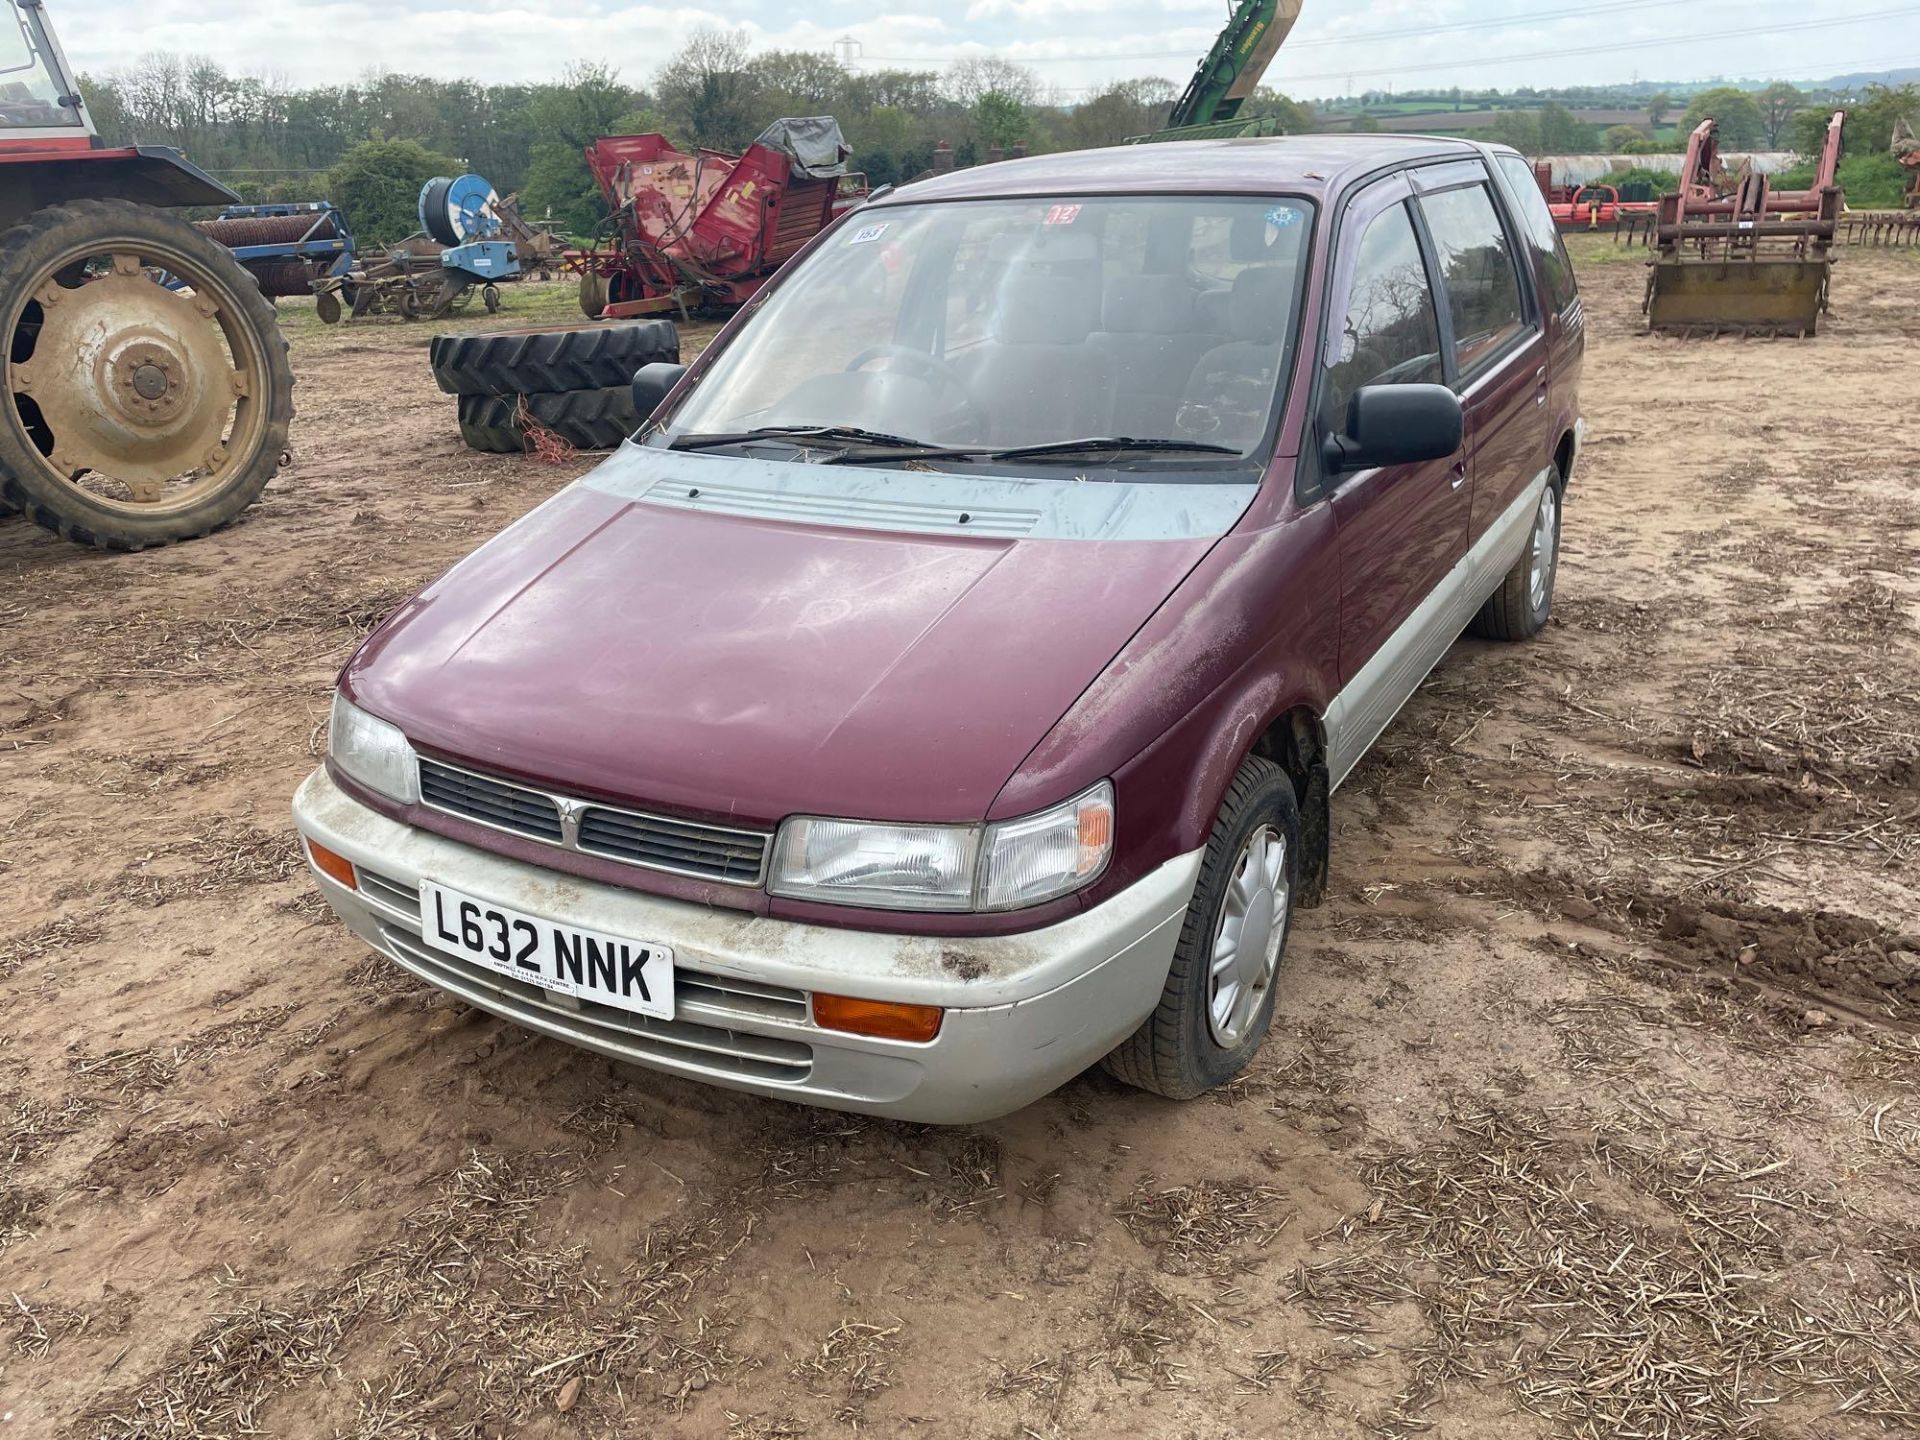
(859, 512)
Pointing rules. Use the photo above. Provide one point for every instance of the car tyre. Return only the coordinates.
(1523, 604)
(1218, 1000)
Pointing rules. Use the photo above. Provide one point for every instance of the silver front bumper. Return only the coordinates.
(1023, 1012)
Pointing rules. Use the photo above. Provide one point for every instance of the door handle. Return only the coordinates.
(1540, 386)
(1459, 474)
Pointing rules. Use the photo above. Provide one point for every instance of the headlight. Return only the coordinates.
(1040, 856)
(895, 867)
(372, 752)
(946, 867)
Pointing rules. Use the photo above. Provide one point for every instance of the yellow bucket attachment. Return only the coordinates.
(1763, 295)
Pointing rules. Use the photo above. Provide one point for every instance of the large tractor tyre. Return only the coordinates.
(585, 419)
(147, 393)
(544, 359)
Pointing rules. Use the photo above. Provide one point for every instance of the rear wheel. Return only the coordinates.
(1218, 1000)
(1523, 604)
(147, 393)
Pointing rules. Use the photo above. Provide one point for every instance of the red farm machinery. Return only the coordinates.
(1740, 256)
(147, 393)
(706, 230)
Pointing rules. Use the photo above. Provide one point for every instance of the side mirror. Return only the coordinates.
(1393, 425)
(651, 384)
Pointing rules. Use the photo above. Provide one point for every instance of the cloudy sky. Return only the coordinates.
(1074, 44)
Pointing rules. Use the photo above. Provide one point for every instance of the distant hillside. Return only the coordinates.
(1859, 80)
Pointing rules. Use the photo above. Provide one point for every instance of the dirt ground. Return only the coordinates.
(1592, 1107)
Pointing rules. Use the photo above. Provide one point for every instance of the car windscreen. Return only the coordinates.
(1012, 323)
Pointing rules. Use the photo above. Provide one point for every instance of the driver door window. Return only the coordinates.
(1389, 334)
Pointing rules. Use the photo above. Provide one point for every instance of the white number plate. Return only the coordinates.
(564, 958)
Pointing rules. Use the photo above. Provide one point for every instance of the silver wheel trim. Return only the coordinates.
(1544, 552)
(1247, 936)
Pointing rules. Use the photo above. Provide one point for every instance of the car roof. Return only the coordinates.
(1299, 164)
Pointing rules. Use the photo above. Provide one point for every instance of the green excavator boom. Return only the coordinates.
(1231, 71)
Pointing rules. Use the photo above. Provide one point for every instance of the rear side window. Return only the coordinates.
(1537, 220)
(1476, 268)
(1390, 334)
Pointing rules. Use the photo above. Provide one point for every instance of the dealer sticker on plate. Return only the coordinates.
(584, 964)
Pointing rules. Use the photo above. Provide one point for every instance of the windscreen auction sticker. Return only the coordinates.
(1062, 215)
(867, 236)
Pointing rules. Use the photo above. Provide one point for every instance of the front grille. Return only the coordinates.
(654, 842)
(491, 802)
(662, 844)
(706, 1005)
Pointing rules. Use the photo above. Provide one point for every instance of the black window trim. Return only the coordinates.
(1368, 196)
(1508, 188)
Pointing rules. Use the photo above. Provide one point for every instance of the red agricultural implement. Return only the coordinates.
(704, 231)
(1597, 207)
(1743, 257)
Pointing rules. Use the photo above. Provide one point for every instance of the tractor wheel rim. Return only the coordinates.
(131, 368)
(1544, 552)
(1247, 936)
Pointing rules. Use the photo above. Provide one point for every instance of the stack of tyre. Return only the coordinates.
(571, 380)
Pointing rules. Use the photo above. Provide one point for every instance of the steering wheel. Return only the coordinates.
(935, 371)
(938, 371)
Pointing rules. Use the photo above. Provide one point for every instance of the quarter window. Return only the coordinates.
(1389, 335)
(1476, 267)
(1531, 207)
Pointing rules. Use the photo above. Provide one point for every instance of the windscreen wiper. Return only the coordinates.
(843, 434)
(1063, 449)
(1098, 443)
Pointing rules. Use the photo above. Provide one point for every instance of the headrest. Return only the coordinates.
(1041, 309)
(1262, 296)
(1147, 305)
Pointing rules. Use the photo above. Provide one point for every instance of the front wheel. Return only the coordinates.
(1523, 604)
(1218, 1001)
(147, 393)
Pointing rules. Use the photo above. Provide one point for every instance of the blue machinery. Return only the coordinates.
(469, 239)
(286, 247)
(466, 215)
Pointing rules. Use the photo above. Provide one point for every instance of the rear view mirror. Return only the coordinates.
(651, 384)
(1393, 425)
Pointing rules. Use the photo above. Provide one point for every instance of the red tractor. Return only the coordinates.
(147, 392)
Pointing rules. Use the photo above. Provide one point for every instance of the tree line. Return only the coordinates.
(273, 142)
(369, 145)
